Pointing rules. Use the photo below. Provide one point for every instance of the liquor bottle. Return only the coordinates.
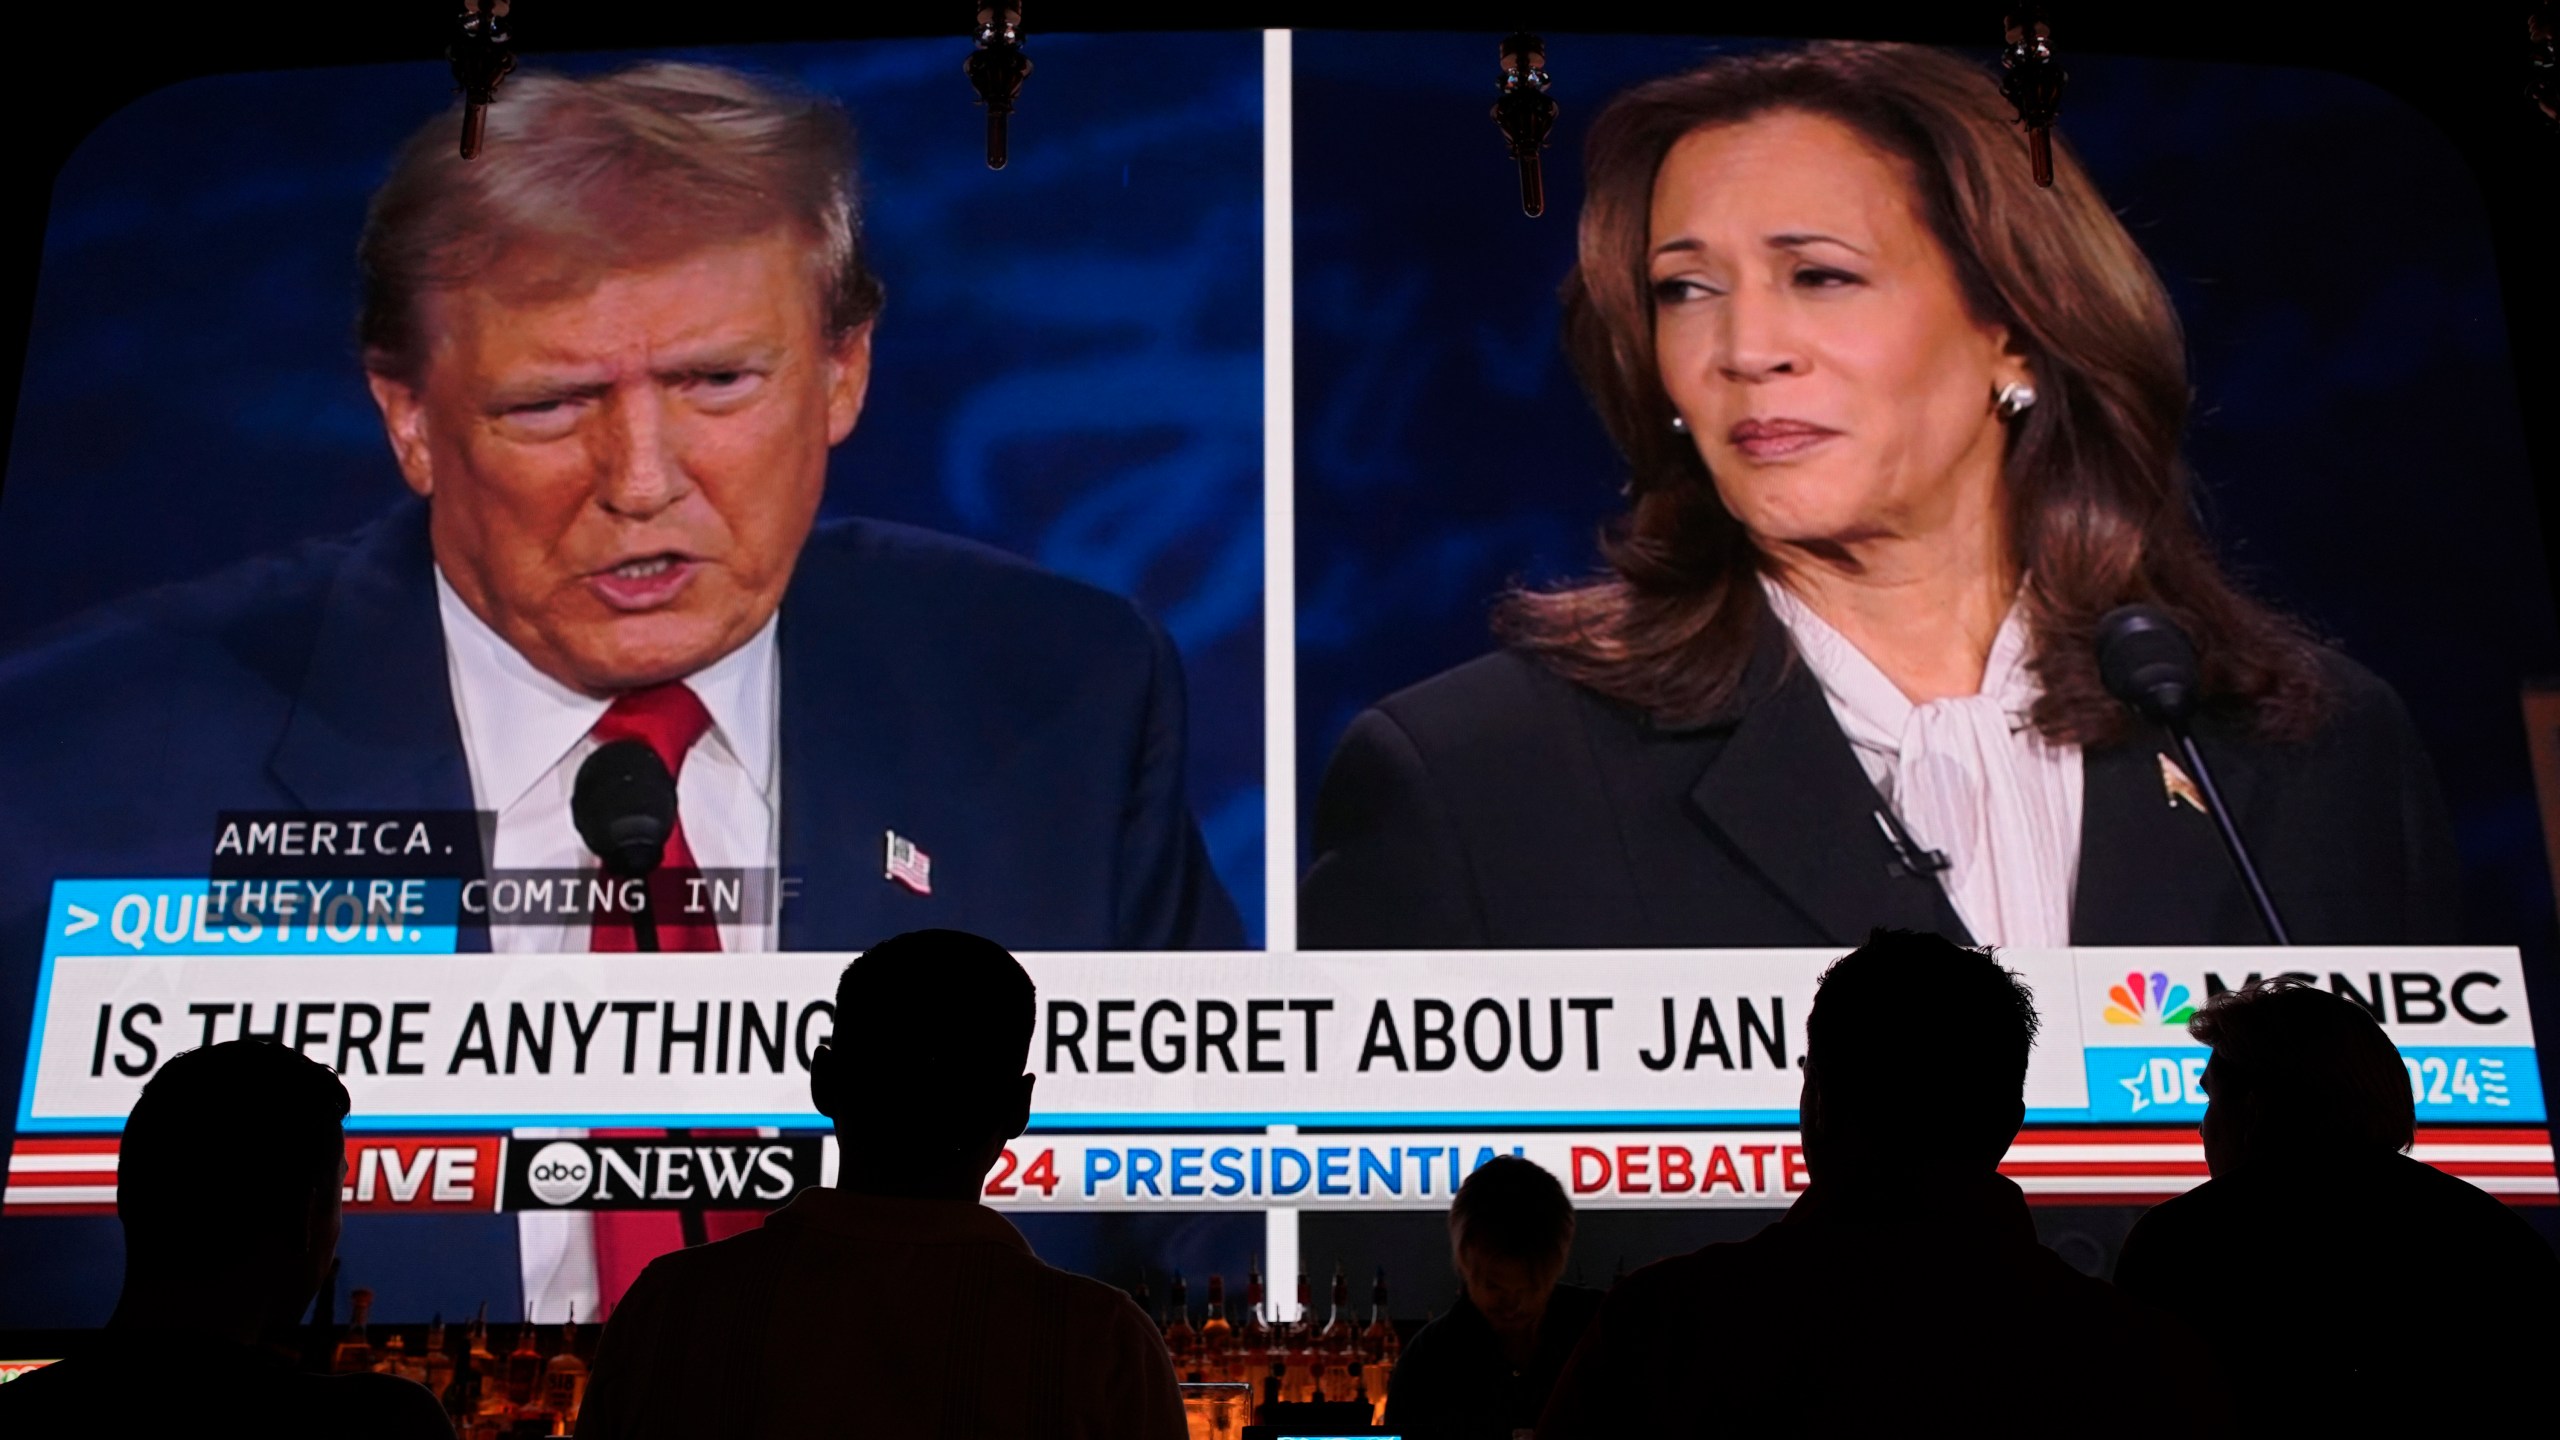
(1257, 1345)
(1379, 1349)
(1146, 1301)
(393, 1359)
(488, 1382)
(1298, 1381)
(461, 1396)
(355, 1343)
(1337, 1345)
(524, 1369)
(439, 1361)
(1179, 1336)
(564, 1378)
(1218, 1338)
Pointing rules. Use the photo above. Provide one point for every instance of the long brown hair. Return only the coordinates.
(2100, 505)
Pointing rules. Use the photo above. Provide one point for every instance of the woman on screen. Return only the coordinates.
(1902, 426)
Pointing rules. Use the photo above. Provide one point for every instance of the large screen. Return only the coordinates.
(1412, 680)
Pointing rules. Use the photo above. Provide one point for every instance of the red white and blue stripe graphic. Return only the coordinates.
(76, 1175)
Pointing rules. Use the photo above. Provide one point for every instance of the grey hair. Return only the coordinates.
(590, 175)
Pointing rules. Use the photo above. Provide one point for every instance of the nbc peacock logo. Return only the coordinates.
(2148, 1000)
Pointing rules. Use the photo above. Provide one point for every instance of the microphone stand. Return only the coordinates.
(624, 807)
(644, 939)
(2232, 845)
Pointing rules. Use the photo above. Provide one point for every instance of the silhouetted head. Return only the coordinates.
(925, 1075)
(228, 1179)
(1510, 1228)
(2298, 1071)
(1915, 1060)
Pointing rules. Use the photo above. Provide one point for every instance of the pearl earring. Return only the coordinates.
(1679, 426)
(2012, 400)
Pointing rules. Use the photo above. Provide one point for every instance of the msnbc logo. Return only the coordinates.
(2151, 1002)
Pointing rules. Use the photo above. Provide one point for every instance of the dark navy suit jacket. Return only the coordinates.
(1026, 731)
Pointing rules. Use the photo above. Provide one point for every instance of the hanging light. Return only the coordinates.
(481, 56)
(2033, 82)
(997, 69)
(1526, 113)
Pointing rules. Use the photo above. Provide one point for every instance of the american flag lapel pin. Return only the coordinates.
(2175, 782)
(908, 865)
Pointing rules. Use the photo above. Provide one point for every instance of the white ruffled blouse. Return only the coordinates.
(1968, 776)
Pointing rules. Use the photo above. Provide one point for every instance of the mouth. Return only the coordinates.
(643, 582)
(1777, 439)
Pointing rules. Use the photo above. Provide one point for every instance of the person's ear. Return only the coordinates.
(404, 422)
(1016, 1114)
(848, 381)
(825, 1078)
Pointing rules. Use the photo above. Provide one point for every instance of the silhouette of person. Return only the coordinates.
(893, 1303)
(227, 1186)
(1905, 1290)
(1484, 1370)
(2368, 1292)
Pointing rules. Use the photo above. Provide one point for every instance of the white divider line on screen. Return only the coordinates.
(1279, 510)
(1279, 571)
(1279, 1240)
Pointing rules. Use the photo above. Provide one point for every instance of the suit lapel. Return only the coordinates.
(2152, 869)
(1786, 795)
(373, 726)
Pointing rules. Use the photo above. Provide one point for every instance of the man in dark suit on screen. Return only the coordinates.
(611, 356)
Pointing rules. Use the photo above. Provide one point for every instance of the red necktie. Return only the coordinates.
(668, 719)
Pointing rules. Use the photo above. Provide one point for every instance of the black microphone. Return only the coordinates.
(2147, 662)
(624, 805)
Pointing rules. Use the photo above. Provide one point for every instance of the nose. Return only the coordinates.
(638, 470)
(1755, 338)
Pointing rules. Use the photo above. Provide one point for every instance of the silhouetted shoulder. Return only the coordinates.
(2387, 1211)
(158, 1391)
(1084, 1305)
(384, 1405)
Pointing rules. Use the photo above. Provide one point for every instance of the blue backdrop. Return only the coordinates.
(1069, 367)
(2355, 432)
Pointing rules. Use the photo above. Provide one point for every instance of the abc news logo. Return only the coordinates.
(744, 1173)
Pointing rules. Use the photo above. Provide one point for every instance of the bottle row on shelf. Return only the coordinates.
(1283, 1357)
(488, 1394)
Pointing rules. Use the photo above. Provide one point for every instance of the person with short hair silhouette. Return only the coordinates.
(893, 1303)
(1484, 1370)
(1905, 1290)
(2354, 1289)
(227, 1186)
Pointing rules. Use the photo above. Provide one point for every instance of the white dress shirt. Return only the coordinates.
(1968, 775)
(524, 735)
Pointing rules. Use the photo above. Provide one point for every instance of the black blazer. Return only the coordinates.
(1500, 805)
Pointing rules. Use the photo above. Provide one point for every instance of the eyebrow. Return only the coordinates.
(1797, 240)
(1789, 240)
(715, 359)
(711, 360)
(543, 392)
